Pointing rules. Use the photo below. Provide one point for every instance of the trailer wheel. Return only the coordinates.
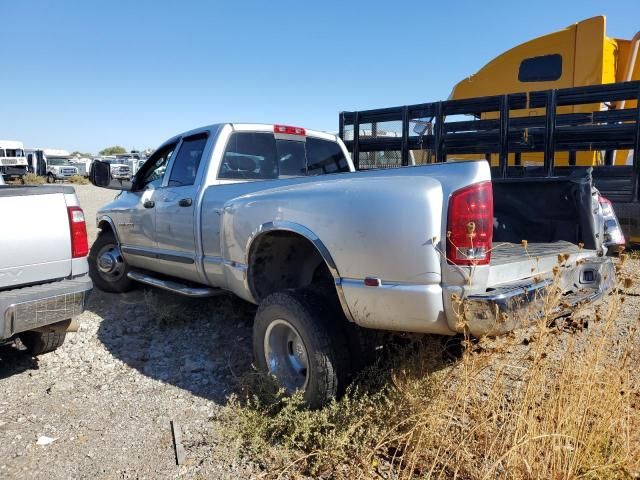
(107, 267)
(298, 341)
(38, 343)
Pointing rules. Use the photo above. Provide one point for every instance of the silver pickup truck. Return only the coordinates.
(276, 215)
(44, 278)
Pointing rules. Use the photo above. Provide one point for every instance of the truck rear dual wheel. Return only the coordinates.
(297, 338)
(38, 343)
(107, 267)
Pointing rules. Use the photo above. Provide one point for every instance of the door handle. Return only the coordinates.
(149, 204)
(185, 202)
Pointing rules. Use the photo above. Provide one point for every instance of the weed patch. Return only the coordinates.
(544, 402)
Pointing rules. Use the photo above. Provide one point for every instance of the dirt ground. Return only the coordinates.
(139, 361)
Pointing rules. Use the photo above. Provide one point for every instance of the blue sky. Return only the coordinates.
(83, 75)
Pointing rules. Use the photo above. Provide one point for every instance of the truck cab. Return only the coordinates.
(580, 55)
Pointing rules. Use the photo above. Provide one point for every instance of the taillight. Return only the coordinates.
(606, 206)
(289, 130)
(470, 225)
(612, 231)
(78, 230)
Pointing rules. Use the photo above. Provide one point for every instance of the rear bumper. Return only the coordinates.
(28, 308)
(512, 305)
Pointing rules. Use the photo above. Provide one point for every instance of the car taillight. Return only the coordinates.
(78, 230)
(470, 225)
(289, 130)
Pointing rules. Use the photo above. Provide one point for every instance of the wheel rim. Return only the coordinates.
(110, 263)
(286, 355)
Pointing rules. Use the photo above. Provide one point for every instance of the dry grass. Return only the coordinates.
(79, 180)
(541, 403)
(33, 179)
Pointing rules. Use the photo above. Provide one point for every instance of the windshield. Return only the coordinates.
(58, 161)
(11, 153)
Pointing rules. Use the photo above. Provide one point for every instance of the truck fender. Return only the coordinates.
(283, 225)
(105, 219)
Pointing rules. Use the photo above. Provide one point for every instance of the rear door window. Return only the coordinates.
(185, 167)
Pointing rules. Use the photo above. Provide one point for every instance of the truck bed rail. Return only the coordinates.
(497, 127)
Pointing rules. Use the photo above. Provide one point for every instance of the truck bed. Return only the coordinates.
(511, 261)
(35, 243)
(505, 252)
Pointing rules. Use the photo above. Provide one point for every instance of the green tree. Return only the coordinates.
(116, 149)
(81, 154)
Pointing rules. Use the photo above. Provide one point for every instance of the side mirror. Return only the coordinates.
(100, 176)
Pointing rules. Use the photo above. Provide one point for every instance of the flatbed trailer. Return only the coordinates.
(454, 129)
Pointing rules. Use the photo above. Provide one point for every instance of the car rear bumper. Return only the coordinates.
(28, 308)
(516, 304)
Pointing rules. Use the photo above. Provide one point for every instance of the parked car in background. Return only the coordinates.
(277, 215)
(44, 279)
(119, 169)
(60, 168)
(82, 164)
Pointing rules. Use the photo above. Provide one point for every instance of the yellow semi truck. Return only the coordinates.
(580, 55)
(555, 106)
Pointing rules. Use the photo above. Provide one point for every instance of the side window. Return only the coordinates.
(185, 166)
(546, 68)
(324, 156)
(249, 155)
(153, 171)
(292, 161)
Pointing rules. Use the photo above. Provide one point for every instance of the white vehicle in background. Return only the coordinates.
(83, 165)
(13, 163)
(133, 158)
(120, 169)
(59, 166)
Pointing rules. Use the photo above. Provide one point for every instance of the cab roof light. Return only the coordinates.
(289, 130)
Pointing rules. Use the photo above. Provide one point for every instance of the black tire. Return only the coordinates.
(38, 343)
(326, 350)
(109, 283)
(51, 178)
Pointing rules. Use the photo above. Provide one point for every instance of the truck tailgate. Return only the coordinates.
(514, 261)
(35, 243)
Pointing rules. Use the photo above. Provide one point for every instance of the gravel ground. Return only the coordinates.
(139, 361)
(108, 395)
